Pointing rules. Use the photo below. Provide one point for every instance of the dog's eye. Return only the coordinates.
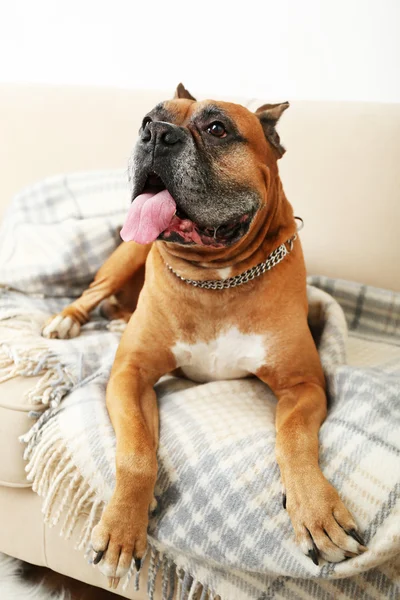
(217, 129)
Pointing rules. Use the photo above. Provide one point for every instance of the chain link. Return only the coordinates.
(222, 284)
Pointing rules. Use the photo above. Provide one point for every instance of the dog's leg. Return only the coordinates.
(321, 522)
(124, 264)
(131, 401)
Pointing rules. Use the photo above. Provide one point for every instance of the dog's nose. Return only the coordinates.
(160, 133)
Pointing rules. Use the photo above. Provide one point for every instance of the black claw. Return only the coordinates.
(356, 536)
(138, 564)
(98, 557)
(313, 554)
(284, 501)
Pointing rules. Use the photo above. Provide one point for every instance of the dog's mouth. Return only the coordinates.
(154, 215)
(154, 184)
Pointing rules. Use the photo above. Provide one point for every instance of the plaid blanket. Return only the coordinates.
(219, 529)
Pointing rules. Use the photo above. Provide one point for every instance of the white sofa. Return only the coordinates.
(341, 173)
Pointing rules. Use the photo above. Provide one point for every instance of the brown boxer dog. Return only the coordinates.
(224, 297)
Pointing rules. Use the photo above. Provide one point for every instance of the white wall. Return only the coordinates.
(279, 49)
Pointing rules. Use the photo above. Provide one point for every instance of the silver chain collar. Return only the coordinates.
(222, 284)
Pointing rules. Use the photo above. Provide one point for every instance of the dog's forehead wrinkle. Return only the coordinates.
(208, 112)
(185, 116)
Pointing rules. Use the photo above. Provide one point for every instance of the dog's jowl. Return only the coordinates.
(211, 280)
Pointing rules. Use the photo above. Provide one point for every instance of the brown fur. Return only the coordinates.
(168, 310)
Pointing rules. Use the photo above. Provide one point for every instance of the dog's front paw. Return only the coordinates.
(61, 327)
(322, 524)
(120, 536)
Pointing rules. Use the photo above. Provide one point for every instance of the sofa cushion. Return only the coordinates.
(14, 421)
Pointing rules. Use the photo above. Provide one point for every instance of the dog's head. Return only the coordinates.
(201, 170)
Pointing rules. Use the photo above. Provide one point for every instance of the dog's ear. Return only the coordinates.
(269, 115)
(182, 92)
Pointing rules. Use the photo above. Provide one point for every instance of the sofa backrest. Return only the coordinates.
(340, 172)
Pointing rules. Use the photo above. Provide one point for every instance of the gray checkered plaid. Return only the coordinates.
(219, 528)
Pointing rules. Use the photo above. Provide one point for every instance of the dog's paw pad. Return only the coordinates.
(61, 327)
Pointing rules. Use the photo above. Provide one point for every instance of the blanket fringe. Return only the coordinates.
(57, 480)
(67, 496)
(176, 584)
(21, 354)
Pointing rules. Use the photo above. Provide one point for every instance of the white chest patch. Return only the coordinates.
(232, 355)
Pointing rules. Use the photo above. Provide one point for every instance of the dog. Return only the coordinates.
(211, 280)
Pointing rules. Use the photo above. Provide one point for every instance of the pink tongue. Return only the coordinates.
(149, 215)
